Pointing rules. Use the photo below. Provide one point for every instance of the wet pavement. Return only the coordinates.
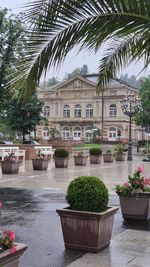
(30, 201)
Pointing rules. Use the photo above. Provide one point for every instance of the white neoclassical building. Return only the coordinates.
(73, 107)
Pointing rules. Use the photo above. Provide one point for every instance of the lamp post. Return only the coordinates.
(129, 106)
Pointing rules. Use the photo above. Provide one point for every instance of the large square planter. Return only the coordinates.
(40, 164)
(108, 158)
(120, 157)
(12, 260)
(95, 159)
(9, 167)
(80, 161)
(89, 231)
(61, 162)
(135, 207)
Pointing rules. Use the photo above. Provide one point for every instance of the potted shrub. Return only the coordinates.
(10, 251)
(119, 155)
(134, 197)
(95, 155)
(40, 162)
(10, 164)
(108, 157)
(80, 159)
(87, 222)
(61, 158)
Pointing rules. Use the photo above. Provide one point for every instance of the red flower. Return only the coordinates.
(126, 184)
(11, 235)
(147, 181)
(1, 204)
(139, 169)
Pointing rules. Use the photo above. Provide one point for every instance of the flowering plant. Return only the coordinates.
(11, 156)
(135, 184)
(80, 154)
(7, 241)
(41, 155)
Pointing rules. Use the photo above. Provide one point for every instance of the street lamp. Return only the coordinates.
(129, 105)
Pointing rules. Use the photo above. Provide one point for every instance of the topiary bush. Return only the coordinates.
(61, 153)
(95, 151)
(87, 193)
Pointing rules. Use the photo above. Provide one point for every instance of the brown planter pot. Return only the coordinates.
(135, 207)
(108, 158)
(120, 157)
(89, 231)
(61, 162)
(95, 159)
(80, 161)
(40, 164)
(9, 167)
(12, 260)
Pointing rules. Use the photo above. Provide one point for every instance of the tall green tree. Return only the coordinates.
(78, 71)
(58, 26)
(143, 115)
(24, 117)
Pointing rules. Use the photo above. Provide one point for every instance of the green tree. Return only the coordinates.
(143, 115)
(131, 80)
(124, 24)
(12, 45)
(24, 117)
(52, 81)
(53, 132)
(78, 71)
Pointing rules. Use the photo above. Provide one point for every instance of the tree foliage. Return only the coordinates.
(131, 80)
(58, 26)
(143, 116)
(78, 71)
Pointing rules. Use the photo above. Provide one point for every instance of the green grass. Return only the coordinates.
(85, 146)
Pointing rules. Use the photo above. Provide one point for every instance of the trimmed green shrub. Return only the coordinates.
(95, 151)
(118, 149)
(61, 153)
(108, 152)
(87, 193)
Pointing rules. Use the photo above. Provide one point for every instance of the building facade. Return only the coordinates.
(75, 109)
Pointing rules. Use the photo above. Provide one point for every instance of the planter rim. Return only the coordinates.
(19, 248)
(105, 213)
(80, 157)
(138, 195)
(41, 159)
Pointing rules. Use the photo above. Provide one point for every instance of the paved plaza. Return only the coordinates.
(31, 198)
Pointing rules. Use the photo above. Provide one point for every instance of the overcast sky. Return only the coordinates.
(74, 61)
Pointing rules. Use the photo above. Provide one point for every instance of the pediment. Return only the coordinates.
(76, 83)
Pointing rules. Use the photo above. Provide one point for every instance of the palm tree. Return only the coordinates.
(57, 26)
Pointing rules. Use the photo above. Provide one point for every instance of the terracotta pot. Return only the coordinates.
(12, 260)
(9, 167)
(80, 161)
(89, 231)
(108, 158)
(135, 207)
(40, 164)
(95, 159)
(61, 162)
(120, 157)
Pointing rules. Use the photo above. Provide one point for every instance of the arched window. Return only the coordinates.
(89, 111)
(112, 134)
(46, 111)
(46, 133)
(66, 111)
(77, 111)
(77, 134)
(113, 110)
(66, 133)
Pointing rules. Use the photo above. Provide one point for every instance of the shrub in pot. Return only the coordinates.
(134, 197)
(118, 150)
(80, 159)
(95, 155)
(40, 162)
(61, 158)
(87, 222)
(108, 157)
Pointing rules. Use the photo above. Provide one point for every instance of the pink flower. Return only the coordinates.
(139, 169)
(147, 181)
(11, 235)
(1, 204)
(12, 249)
(126, 184)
